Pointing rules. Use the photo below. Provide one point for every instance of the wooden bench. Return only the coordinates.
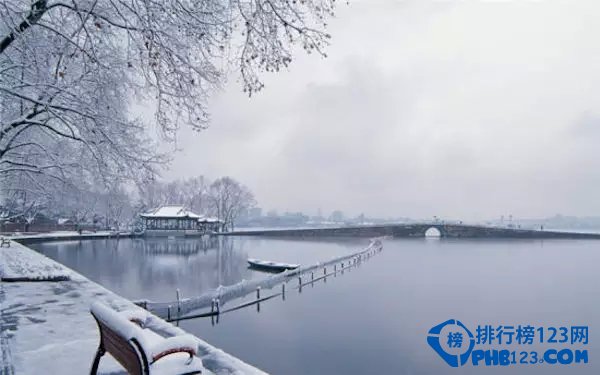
(138, 349)
(4, 241)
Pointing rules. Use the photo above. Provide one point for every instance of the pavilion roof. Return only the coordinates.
(171, 212)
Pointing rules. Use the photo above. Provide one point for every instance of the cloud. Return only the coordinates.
(459, 109)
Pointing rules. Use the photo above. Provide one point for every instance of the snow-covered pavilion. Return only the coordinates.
(170, 218)
(177, 220)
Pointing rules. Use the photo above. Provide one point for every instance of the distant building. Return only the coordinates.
(210, 224)
(177, 221)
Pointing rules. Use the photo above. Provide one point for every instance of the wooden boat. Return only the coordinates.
(270, 266)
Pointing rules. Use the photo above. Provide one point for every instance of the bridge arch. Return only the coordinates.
(432, 232)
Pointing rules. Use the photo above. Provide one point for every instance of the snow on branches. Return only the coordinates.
(69, 69)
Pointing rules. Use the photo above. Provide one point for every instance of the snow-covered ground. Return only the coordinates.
(19, 262)
(46, 327)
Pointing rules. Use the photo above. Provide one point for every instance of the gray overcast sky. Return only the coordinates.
(461, 109)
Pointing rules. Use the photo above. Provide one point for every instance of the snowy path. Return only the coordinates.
(46, 327)
(18, 262)
(26, 238)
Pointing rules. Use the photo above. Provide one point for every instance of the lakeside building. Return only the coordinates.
(210, 224)
(178, 221)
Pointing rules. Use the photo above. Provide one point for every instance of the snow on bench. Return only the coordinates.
(140, 350)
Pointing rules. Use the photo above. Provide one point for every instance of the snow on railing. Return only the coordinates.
(223, 294)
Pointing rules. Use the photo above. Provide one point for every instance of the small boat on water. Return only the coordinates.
(266, 265)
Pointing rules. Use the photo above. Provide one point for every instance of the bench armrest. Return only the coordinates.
(177, 344)
(191, 352)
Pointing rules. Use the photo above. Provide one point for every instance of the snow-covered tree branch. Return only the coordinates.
(71, 69)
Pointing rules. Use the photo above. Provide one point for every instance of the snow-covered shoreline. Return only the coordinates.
(26, 238)
(47, 326)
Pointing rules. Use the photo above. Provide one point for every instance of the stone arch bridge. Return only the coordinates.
(417, 230)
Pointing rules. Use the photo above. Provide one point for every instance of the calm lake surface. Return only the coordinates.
(375, 318)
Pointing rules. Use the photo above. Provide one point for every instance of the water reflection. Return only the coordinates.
(154, 268)
(181, 246)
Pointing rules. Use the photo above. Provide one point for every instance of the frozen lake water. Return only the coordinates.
(375, 318)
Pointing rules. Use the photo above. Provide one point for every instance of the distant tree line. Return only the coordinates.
(86, 204)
